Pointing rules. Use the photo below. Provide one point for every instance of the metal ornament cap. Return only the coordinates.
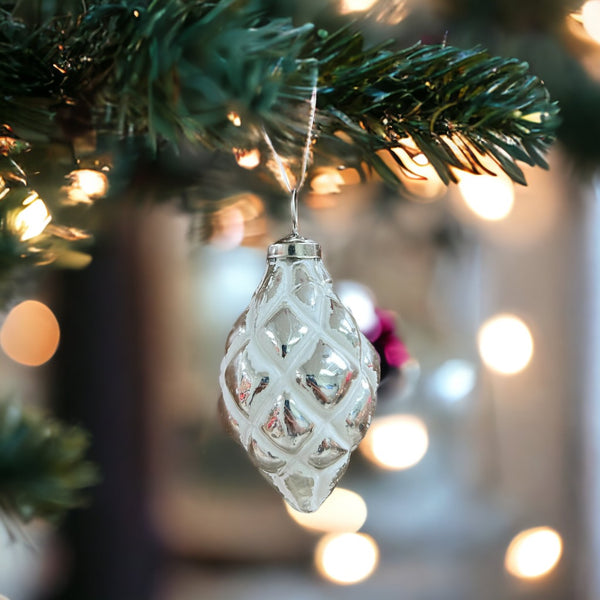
(298, 378)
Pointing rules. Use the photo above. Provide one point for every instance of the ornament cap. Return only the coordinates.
(294, 246)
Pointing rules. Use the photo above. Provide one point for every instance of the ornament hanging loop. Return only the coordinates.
(295, 191)
(294, 211)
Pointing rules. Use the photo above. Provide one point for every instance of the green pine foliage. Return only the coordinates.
(173, 70)
(43, 469)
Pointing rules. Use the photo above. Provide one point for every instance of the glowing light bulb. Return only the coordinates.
(327, 182)
(533, 553)
(590, 15)
(359, 300)
(421, 160)
(344, 511)
(346, 558)
(350, 6)
(4, 189)
(489, 197)
(505, 344)
(396, 442)
(418, 175)
(32, 219)
(234, 118)
(247, 159)
(94, 184)
(30, 333)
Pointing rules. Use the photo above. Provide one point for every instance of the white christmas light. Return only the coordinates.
(346, 558)
(344, 511)
(590, 14)
(234, 118)
(533, 553)
(247, 159)
(327, 181)
(505, 344)
(350, 6)
(489, 197)
(396, 442)
(32, 219)
(94, 184)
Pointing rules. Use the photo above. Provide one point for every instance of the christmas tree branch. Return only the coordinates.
(179, 68)
(42, 464)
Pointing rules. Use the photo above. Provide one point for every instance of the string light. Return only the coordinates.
(346, 558)
(93, 184)
(533, 553)
(418, 176)
(4, 189)
(234, 118)
(32, 219)
(344, 511)
(396, 442)
(350, 6)
(233, 224)
(505, 344)
(247, 159)
(489, 197)
(30, 333)
(328, 181)
(590, 15)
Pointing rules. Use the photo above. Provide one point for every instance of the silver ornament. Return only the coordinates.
(298, 378)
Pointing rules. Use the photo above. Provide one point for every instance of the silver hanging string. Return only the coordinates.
(294, 191)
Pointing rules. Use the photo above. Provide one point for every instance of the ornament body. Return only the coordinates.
(298, 378)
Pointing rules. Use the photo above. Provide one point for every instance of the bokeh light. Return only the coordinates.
(489, 197)
(346, 558)
(30, 333)
(247, 159)
(359, 300)
(590, 15)
(327, 181)
(396, 442)
(343, 512)
(505, 344)
(418, 176)
(350, 6)
(238, 222)
(32, 219)
(93, 184)
(533, 553)
(454, 380)
(234, 118)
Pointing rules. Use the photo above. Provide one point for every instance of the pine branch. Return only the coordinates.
(177, 68)
(42, 465)
(455, 105)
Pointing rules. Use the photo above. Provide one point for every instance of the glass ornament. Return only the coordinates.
(298, 378)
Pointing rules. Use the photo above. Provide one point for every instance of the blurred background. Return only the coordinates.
(480, 476)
